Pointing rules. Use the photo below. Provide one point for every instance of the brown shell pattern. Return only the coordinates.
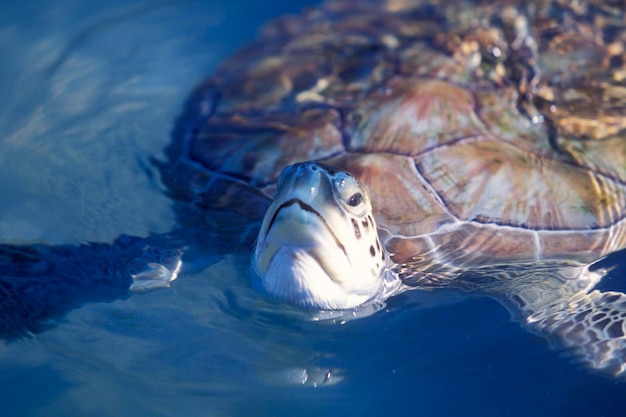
(482, 131)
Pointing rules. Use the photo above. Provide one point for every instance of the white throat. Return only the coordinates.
(318, 245)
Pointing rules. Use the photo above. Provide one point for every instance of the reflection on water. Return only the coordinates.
(90, 93)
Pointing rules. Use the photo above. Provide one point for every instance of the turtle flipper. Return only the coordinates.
(591, 325)
(40, 283)
(563, 301)
(154, 268)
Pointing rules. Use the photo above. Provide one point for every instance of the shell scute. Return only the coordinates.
(471, 244)
(490, 181)
(607, 156)
(408, 116)
(326, 66)
(582, 245)
(258, 146)
(402, 201)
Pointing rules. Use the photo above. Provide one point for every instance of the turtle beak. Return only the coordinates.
(297, 224)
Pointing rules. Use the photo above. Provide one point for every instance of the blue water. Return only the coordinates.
(90, 91)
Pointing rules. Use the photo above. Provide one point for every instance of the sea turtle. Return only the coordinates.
(377, 146)
(476, 146)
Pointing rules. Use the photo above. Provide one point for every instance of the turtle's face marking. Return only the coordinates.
(318, 245)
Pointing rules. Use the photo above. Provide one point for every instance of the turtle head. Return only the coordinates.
(318, 246)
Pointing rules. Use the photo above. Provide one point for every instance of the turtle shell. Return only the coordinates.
(484, 132)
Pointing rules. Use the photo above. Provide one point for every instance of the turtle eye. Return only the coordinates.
(349, 193)
(355, 199)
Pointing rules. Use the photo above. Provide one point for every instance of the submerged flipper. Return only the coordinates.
(560, 301)
(39, 283)
(592, 325)
(570, 304)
